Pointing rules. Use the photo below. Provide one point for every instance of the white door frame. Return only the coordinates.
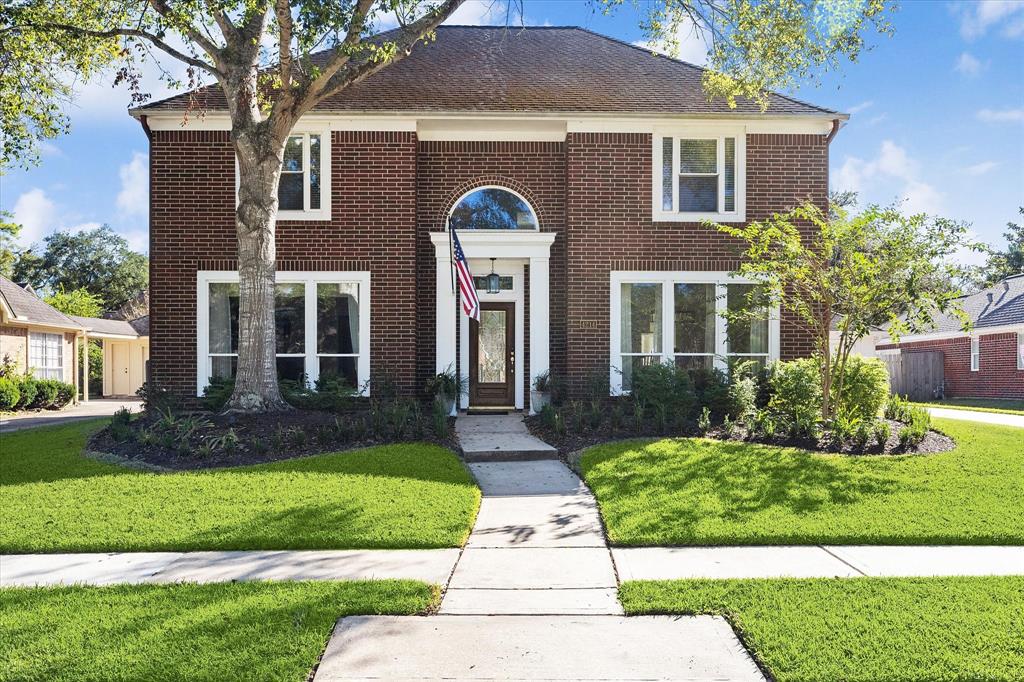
(513, 249)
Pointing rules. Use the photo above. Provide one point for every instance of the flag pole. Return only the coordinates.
(451, 252)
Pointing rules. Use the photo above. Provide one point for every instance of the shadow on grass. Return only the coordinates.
(701, 479)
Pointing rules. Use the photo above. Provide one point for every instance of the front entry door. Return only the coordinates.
(120, 359)
(492, 356)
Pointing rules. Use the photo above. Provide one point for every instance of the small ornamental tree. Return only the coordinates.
(852, 273)
(260, 53)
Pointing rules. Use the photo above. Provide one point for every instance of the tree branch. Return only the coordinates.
(283, 11)
(136, 33)
(411, 35)
(164, 10)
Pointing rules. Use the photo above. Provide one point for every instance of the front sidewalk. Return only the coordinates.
(976, 416)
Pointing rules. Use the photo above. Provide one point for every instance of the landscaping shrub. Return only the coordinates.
(711, 390)
(666, 389)
(742, 392)
(217, 393)
(882, 433)
(46, 393)
(898, 409)
(796, 394)
(865, 388)
(9, 394)
(916, 427)
(27, 388)
(65, 394)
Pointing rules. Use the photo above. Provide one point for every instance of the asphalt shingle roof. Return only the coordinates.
(533, 69)
(102, 325)
(27, 306)
(998, 305)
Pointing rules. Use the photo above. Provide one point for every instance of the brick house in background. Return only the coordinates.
(575, 167)
(988, 361)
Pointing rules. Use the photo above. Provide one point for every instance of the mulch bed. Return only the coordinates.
(250, 428)
(572, 441)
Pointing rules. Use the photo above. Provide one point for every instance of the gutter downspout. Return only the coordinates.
(828, 139)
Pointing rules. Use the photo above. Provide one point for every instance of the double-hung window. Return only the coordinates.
(46, 355)
(304, 189)
(975, 353)
(681, 318)
(321, 326)
(699, 174)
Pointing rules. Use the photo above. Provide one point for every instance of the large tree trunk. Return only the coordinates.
(259, 153)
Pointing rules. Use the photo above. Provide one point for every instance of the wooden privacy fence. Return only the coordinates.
(917, 375)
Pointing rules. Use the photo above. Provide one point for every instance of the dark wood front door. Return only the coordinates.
(492, 356)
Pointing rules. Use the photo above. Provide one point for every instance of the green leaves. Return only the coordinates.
(760, 45)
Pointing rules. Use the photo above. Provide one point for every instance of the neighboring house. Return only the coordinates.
(574, 167)
(43, 341)
(988, 361)
(864, 347)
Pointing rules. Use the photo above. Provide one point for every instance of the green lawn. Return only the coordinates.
(401, 496)
(217, 632)
(980, 405)
(703, 492)
(870, 629)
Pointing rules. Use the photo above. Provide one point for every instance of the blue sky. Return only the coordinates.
(937, 120)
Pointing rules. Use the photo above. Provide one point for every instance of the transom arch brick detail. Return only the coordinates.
(501, 181)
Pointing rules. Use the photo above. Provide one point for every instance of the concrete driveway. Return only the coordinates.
(99, 407)
(983, 417)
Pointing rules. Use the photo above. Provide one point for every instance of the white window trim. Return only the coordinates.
(324, 212)
(975, 354)
(697, 132)
(45, 369)
(204, 278)
(1020, 350)
(668, 280)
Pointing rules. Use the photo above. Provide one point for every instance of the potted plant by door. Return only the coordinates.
(448, 386)
(540, 396)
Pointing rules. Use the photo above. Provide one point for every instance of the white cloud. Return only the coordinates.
(857, 108)
(1001, 115)
(980, 168)
(875, 120)
(976, 18)
(36, 214)
(691, 43)
(133, 199)
(968, 64)
(891, 174)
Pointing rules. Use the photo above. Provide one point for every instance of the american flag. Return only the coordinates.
(470, 302)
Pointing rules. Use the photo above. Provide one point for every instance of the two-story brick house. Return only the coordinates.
(575, 167)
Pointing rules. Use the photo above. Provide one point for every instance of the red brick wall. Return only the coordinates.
(997, 375)
(446, 171)
(609, 226)
(388, 193)
(372, 228)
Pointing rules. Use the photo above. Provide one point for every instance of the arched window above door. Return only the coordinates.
(493, 208)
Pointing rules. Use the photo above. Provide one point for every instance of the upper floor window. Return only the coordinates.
(304, 189)
(492, 208)
(699, 175)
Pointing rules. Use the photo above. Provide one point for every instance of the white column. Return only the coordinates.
(540, 296)
(445, 315)
(85, 368)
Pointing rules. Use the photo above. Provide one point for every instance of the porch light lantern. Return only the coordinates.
(493, 280)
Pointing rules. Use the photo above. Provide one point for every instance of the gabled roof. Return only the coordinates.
(999, 305)
(27, 307)
(101, 326)
(528, 70)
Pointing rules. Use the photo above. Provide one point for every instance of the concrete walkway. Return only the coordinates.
(499, 437)
(25, 570)
(99, 407)
(974, 416)
(537, 547)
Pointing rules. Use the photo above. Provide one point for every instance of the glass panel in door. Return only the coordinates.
(491, 351)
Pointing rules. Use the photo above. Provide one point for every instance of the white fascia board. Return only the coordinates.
(939, 336)
(507, 243)
(506, 125)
